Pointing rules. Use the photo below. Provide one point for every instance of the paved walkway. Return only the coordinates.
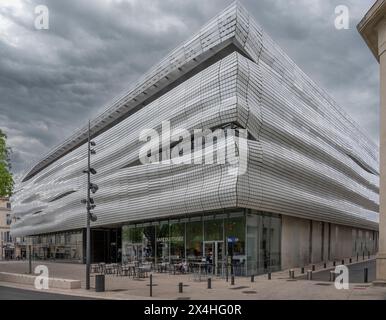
(9, 293)
(280, 287)
(356, 272)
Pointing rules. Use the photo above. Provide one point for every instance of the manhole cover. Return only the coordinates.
(362, 286)
(323, 284)
(183, 298)
(249, 292)
(238, 288)
(118, 290)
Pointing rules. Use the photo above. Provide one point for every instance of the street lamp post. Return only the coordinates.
(89, 205)
(88, 231)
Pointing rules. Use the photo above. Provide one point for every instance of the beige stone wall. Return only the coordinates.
(3, 213)
(325, 240)
(381, 259)
(294, 242)
(316, 248)
(304, 241)
(3, 223)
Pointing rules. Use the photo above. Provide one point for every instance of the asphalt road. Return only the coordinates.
(356, 273)
(7, 293)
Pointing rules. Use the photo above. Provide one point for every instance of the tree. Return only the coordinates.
(6, 180)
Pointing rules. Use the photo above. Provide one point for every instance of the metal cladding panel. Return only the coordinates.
(306, 157)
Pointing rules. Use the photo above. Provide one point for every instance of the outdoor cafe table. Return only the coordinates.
(162, 266)
(199, 266)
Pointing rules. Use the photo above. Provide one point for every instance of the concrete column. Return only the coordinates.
(372, 27)
(381, 257)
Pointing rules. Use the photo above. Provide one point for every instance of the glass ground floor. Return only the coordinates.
(248, 240)
(57, 246)
(71, 245)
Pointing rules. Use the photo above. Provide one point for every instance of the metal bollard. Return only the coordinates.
(366, 275)
(343, 262)
(302, 270)
(363, 255)
(334, 263)
(232, 280)
(332, 276)
(313, 267)
(292, 274)
(325, 265)
(226, 275)
(252, 278)
(29, 260)
(309, 275)
(209, 283)
(357, 256)
(350, 260)
(180, 287)
(269, 275)
(151, 285)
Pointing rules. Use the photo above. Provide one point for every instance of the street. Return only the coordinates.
(167, 285)
(7, 293)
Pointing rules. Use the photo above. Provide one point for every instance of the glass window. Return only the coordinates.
(138, 243)
(148, 252)
(132, 243)
(263, 242)
(162, 232)
(275, 243)
(60, 246)
(8, 219)
(213, 229)
(253, 252)
(177, 241)
(235, 230)
(67, 238)
(235, 233)
(194, 239)
(135, 235)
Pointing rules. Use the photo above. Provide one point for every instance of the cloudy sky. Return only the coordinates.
(52, 81)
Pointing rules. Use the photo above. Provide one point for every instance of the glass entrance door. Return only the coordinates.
(134, 252)
(214, 256)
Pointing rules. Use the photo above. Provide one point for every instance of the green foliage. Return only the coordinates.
(6, 180)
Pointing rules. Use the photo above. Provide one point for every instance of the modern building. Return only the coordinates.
(304, 186)
(6, 245)
(373, 30)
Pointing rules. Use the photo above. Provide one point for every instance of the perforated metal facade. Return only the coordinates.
(306, 157)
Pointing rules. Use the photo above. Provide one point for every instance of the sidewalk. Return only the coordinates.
(166, 286)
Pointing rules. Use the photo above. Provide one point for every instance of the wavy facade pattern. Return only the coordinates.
(306, 157)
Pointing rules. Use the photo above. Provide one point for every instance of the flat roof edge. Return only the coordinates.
(366, 27)
(164, 73)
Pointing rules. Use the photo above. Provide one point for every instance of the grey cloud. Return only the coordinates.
(52, 81)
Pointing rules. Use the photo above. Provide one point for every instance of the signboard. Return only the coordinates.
(232, 239)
